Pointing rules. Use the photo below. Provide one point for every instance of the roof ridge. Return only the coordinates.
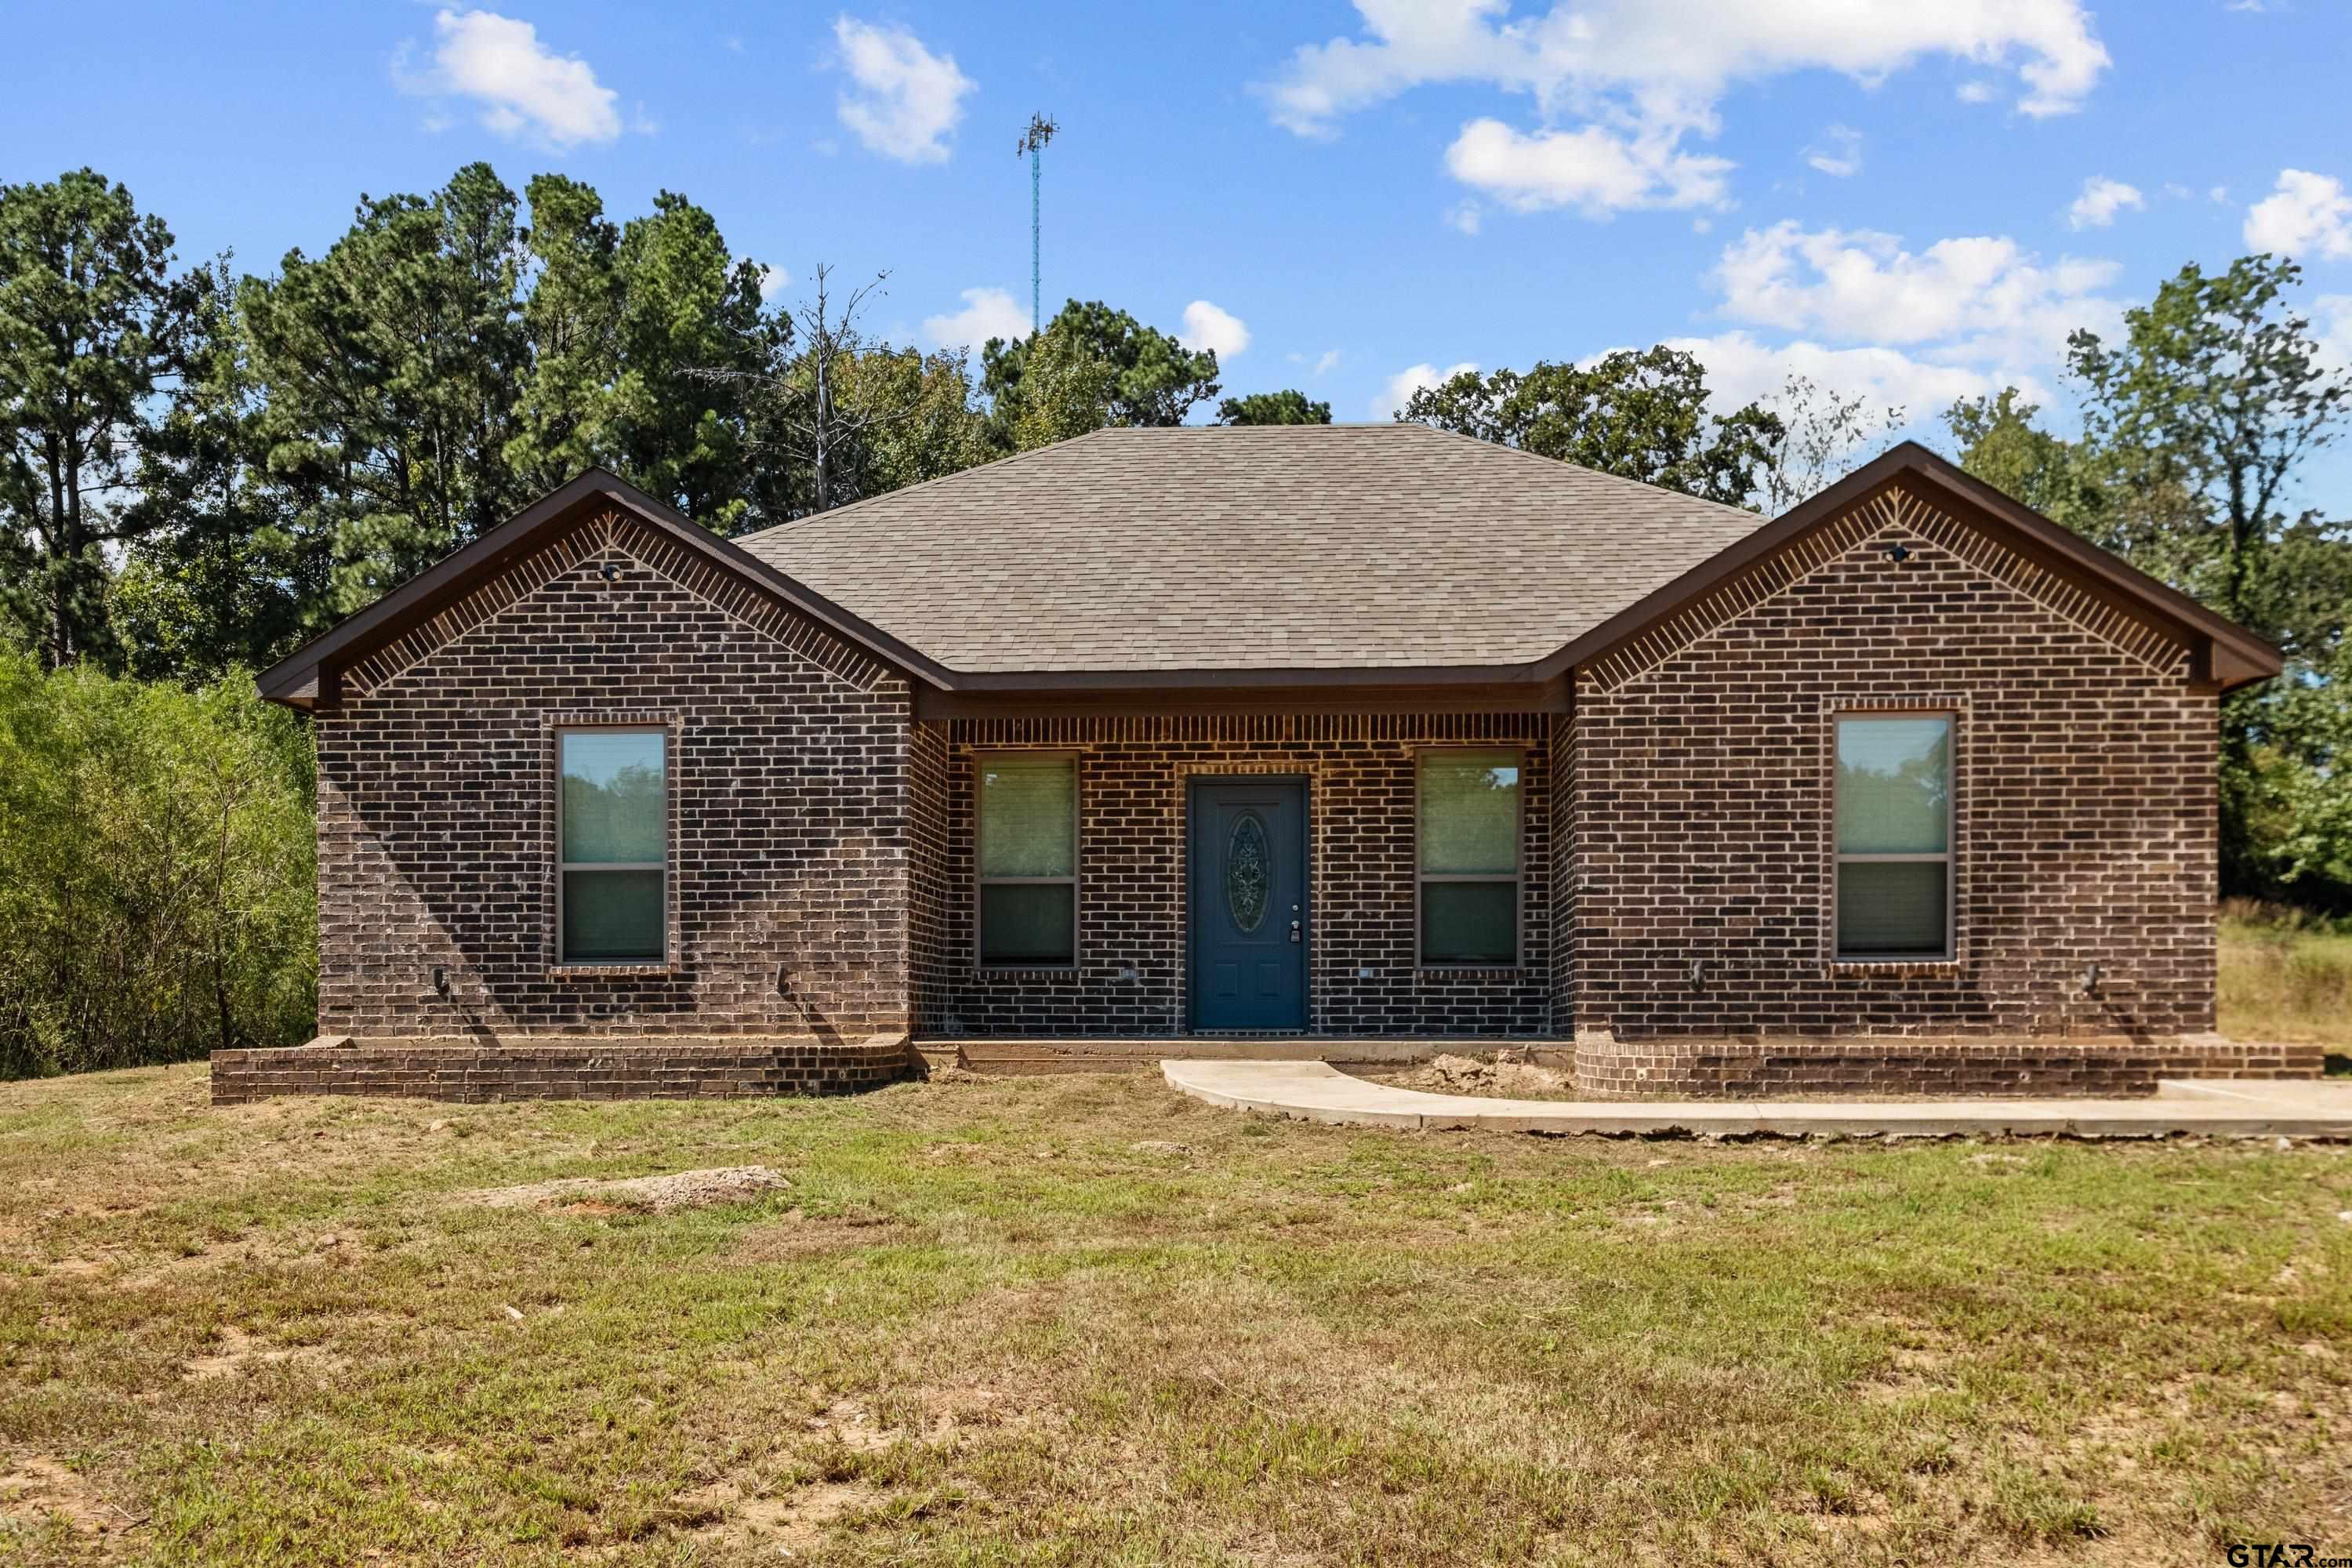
(1005, 461)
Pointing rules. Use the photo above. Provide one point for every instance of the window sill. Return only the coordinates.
(651, 969)
(1476, 969)
(1862, 967)
(1024, 971)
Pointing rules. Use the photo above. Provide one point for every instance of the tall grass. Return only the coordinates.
(2286, 974)
(157, 892)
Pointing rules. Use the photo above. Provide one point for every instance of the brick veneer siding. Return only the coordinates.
(789, 790)
(2085, 800)
(1132, 876)
(2010, 1067)
(665, 1069)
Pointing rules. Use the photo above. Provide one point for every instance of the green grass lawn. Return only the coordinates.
(1083, 1320)
(2285, 976)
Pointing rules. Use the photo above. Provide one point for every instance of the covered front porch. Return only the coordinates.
(1330, 878)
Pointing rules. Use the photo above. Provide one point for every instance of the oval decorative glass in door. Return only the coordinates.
(1248, 882)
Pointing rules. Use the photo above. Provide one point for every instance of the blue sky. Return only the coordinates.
(1912, 200)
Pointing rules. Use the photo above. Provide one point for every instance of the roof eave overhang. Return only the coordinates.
(309, 678)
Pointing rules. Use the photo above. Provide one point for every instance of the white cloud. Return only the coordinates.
(1593, 170)
(1218, 331)
(773, 280)
(906, 99)
(1840, 152)
(2306, 215)
(1327, 362)
(1977, 92)
(1977, 299)
(1465, 216)
(1405, 383)
(523, 86)
(1636, 77)
(2101, 200)
(1741, 369)
(987, 314)
(2331, 322)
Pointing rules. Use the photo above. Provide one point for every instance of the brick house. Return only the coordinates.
(1322, 733)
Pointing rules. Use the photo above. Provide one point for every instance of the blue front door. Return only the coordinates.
(1248, 900)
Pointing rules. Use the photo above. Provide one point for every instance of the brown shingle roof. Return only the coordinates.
(1270, 547)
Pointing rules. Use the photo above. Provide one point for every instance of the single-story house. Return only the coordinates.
(1181, 736)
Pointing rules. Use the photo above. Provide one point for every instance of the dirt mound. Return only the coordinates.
(655, 1194)
(1469, 1075)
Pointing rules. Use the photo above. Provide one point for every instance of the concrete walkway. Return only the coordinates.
(1316, 1091)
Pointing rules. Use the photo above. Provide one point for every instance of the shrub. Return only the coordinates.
(157, 893)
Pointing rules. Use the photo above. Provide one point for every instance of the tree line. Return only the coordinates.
(200, 468)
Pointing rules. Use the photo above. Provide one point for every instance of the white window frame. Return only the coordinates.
(1949, 857)
(670, 834)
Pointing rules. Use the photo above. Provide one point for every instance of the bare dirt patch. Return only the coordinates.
(241, 1352)
(38, 1492)
(798, 1236)
(787, 1523)
(653, 1195)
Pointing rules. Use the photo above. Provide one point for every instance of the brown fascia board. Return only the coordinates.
(2234, 656)
(317, 663)
(1463, 696)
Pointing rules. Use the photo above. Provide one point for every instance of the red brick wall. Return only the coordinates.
(789, 789)
(2011, 1067)
(2085, 813)
(1360, 810)
(670, 1069)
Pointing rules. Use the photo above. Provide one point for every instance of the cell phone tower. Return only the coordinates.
(1032, 146)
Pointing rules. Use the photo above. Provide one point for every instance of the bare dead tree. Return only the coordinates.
(1827, 435)
(800, 400)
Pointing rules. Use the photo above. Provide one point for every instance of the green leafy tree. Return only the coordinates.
(1644, 415)
(564, 418)
(2198, 423)
(1288, 407)
(94, 325)
(218, 584)
(922, 423)
(686, 305)
(157, 877)
(1091, 366)
(391, 368)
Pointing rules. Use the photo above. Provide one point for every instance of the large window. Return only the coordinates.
(1029, 861)
(1894, 835)
(613, 823)
(1469, 858)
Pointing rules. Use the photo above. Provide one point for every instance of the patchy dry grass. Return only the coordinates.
(1081, 1320)
(2285, 976)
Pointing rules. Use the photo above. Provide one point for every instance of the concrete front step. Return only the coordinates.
(1009, 1057)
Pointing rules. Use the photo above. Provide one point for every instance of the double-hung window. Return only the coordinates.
(613, 827)
(1469, 858)
(1028, 861)
(1893, 811)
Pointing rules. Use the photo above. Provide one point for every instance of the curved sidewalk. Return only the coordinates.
(1316, 1091)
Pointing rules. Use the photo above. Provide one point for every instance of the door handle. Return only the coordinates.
(1294, 930)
